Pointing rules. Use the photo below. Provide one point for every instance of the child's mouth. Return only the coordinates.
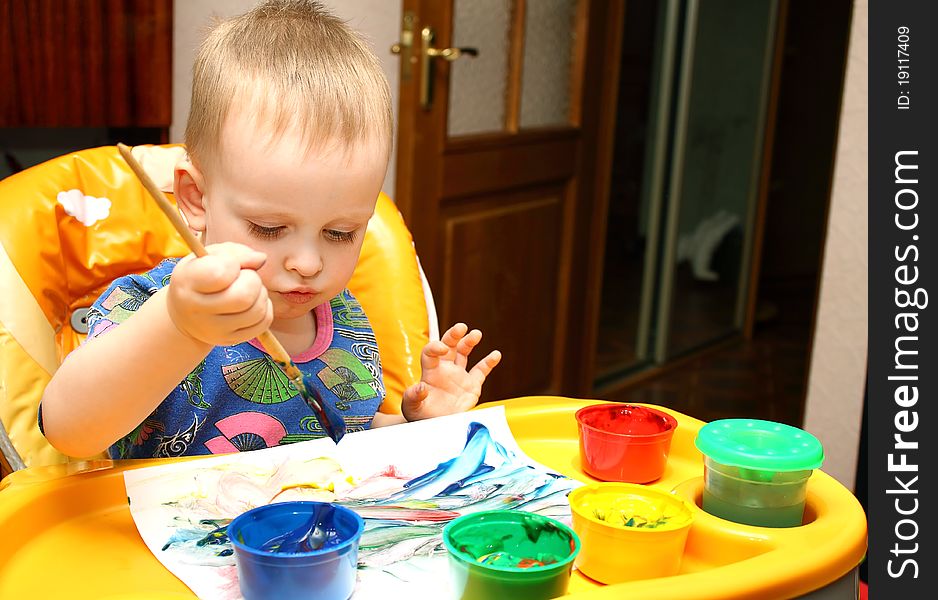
(298, 297)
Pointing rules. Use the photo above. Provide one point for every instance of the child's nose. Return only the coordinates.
(305, 259)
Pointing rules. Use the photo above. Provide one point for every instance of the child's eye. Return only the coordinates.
(340, 236)
(264, 232)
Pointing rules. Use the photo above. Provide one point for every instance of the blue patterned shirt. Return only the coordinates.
(237, 398)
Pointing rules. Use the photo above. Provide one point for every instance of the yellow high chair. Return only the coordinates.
(71, 225)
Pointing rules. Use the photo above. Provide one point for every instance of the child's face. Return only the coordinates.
(307, 213)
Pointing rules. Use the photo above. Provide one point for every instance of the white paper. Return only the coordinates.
(177, 504)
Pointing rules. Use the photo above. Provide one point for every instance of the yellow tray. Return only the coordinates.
(66, 531)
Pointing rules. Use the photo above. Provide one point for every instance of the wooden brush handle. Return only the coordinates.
(280, 356)
(174, 217)
(267, 339)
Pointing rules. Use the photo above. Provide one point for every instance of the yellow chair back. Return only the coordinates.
(70, 226)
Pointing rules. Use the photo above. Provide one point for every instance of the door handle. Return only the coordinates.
(426, 67)
(451, 53)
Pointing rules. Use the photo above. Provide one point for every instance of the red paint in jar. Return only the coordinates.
(624, 442)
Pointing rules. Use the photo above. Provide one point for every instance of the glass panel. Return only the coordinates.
(718, 154)
(548, 53)
(632, 220)
(477, 86)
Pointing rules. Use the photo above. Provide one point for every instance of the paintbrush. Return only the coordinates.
(329, 418)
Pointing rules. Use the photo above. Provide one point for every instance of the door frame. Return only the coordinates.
(594, 173)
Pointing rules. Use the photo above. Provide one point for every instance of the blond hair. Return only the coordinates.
(295, 66)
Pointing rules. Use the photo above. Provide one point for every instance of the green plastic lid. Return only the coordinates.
(762, 445)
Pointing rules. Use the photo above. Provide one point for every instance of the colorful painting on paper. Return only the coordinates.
(407, 482)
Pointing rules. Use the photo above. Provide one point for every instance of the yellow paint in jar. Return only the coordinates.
(640, 508)
(629, 531)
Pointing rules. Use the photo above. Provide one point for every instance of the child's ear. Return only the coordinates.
(189, 189)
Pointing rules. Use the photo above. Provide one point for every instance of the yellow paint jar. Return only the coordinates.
(629, 531)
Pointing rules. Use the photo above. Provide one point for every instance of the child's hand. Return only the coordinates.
(446, 387)
(220, 299)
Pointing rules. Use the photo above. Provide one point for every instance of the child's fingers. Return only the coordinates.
(241, 296)
(221, 267)
(247, 257)
(465, 346)
(262, 317)
(454, 334)
(244, 293)
(416, 393)
(210, 274)
(485, 366)
(259, 313)
(431, 355)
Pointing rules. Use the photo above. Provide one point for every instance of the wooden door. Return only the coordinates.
(496, 175)
(86, 64)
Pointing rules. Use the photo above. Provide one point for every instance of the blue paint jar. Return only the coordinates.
(327, 573)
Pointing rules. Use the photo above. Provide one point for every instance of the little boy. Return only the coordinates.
(288, 141)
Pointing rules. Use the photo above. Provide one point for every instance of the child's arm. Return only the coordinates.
(384, 419)
(113, 382)
(446, 386)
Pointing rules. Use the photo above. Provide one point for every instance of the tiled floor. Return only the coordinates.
(764, 378)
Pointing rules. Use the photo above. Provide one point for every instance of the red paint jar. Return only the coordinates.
(624, 442)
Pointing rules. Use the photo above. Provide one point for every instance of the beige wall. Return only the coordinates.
(838, 363)
(377, 20)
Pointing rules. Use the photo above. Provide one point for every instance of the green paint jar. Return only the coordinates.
(756, 472)
(509, 554)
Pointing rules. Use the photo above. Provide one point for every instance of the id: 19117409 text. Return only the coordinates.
(904, 98)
